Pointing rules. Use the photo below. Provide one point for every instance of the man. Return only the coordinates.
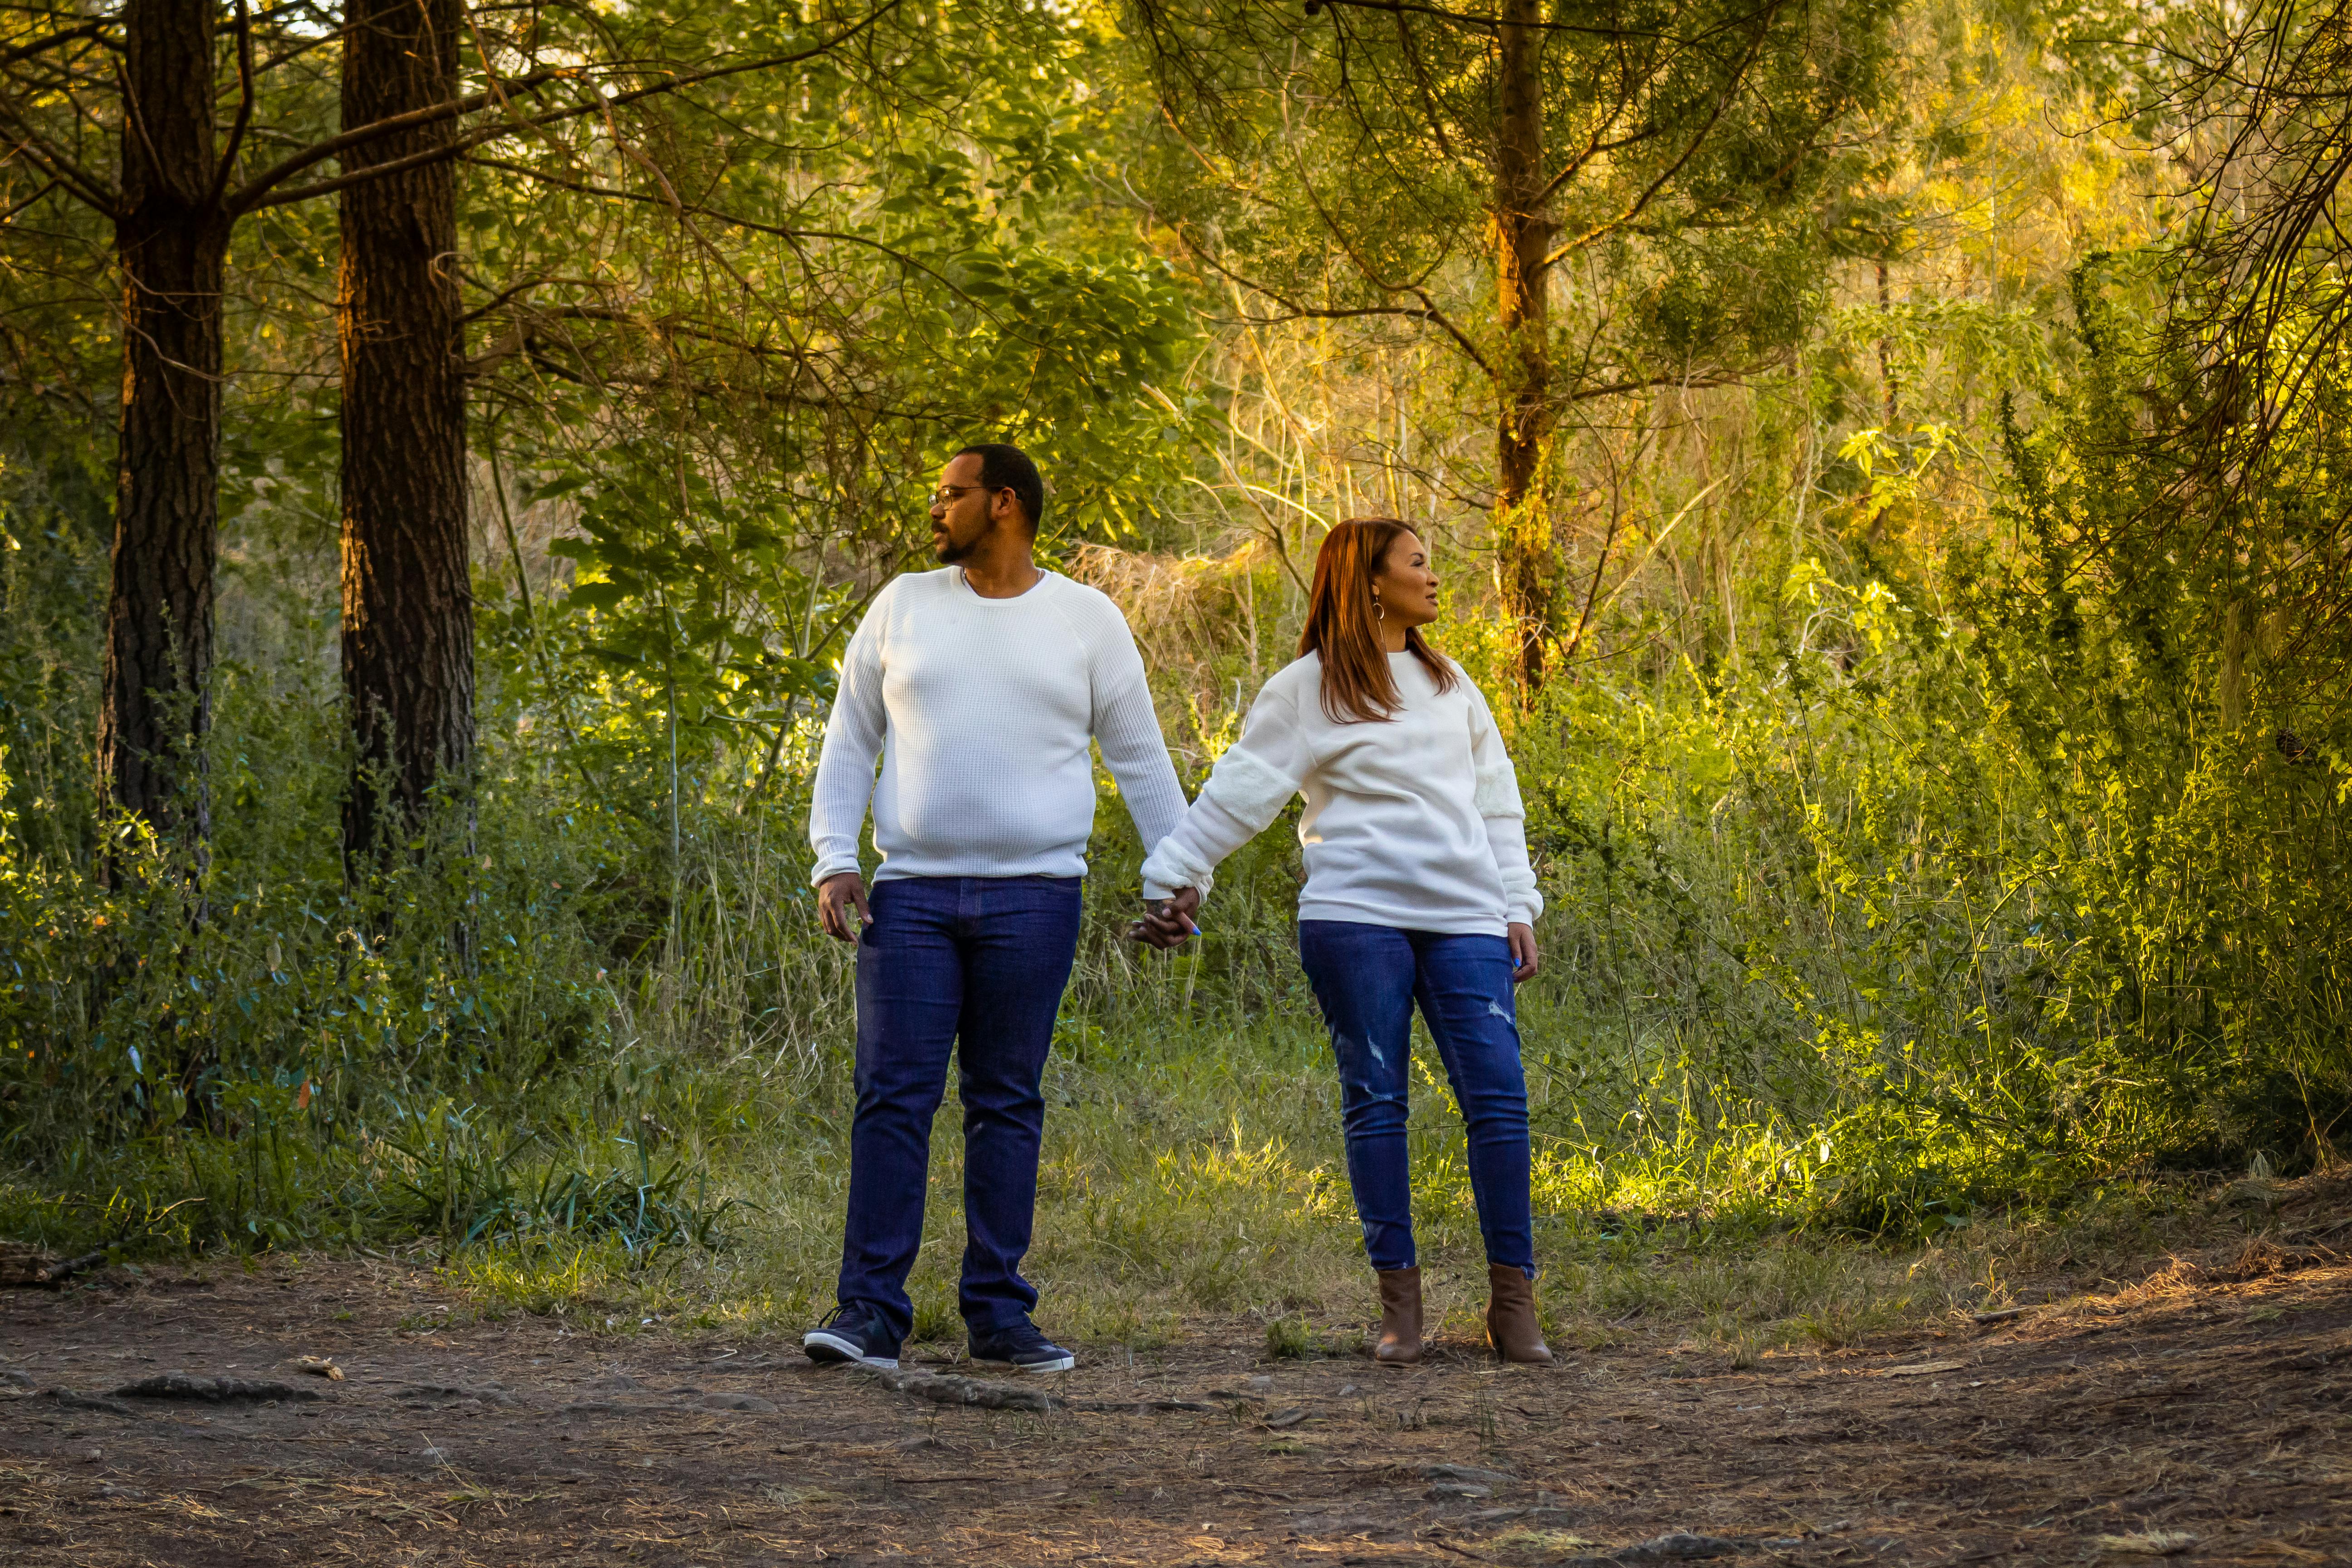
(979, 685)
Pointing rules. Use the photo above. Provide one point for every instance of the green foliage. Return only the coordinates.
(1336, 161)
(1911, 860)
(1962, 909)
(246, 1032)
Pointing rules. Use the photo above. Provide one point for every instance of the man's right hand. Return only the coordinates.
(835, 897)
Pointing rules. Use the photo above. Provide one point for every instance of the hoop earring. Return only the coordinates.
(1379, 612)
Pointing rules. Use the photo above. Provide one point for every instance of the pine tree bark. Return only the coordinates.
(172, 245)
(1521, 237)
(407, 628)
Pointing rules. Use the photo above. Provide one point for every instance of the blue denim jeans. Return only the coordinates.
(1368, 979)
(975, 966)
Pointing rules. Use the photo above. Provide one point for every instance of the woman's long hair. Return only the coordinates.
(1357, 685)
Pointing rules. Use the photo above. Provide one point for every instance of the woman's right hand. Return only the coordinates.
(1169, 922)
(1525, 959)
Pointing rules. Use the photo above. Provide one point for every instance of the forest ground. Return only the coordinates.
(2203, 1411)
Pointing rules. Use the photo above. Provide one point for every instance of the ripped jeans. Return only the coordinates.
(1368, 979)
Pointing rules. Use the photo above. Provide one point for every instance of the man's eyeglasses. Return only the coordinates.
(947, 495)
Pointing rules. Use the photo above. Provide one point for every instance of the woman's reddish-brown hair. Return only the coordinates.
(1357, 685)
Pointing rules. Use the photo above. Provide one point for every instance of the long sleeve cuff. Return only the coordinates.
(1170, 868)
(833, 865)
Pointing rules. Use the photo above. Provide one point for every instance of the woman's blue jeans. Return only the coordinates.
(1368, 979)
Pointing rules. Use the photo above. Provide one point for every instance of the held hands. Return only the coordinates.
(1165, 925)
(1525, 960)
(835, 897)
(1169, 921)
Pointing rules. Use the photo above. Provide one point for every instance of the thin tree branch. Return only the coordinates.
(10, 214)
(257, 193)
(36, 149)
(43, 45)
(1295, 310)
(1481, 24)
(734, 220)
(244, 103)
(1640, 204)
(249, 195)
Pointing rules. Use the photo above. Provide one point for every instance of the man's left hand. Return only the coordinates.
(1168, 923)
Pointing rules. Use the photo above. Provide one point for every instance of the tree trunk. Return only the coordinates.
(1521, 236)
(1885, 353)
(172, 243)
(408, 626)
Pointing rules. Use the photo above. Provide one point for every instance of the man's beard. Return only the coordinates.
(951, 554)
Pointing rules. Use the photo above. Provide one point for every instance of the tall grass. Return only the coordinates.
(1799, 970)
(1971, 881)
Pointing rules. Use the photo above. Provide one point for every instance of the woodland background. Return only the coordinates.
(1885, 463)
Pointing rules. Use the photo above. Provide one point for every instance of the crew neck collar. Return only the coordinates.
(964, 582)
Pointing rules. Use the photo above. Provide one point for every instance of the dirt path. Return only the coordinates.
(2210, 1401)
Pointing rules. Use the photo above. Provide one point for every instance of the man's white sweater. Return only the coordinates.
(1414, 822)
(981, 710)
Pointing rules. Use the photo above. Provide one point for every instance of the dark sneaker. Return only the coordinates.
(852, 1331)
(1021, 1348)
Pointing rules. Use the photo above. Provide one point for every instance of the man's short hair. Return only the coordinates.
(1007, 467)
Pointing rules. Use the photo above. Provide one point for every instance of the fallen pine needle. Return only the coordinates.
(2149, 1542)
(1921, 1369)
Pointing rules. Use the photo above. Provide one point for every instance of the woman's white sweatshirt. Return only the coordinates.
(1415, 822)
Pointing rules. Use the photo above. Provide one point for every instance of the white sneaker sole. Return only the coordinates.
(844, 1349)
(1064, 1365)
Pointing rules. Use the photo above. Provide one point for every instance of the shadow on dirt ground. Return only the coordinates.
(2201, 1414)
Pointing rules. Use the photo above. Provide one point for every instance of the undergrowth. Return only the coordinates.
(1945, 914)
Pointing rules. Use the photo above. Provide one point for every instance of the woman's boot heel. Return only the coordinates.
(1400, 1318)
(1512, 1328)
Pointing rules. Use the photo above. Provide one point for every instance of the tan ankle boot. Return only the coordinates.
(1400, 1317)
(1512, 1328)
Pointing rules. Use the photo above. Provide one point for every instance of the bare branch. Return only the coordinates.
(43, 45)
(1480, 24)
(37, 150)
(244, 102)
(258, 191)
(9, 216)
(733, 220)
(252, 195)
(1733, 80)
(1295, 310)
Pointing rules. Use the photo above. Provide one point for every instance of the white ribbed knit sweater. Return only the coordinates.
(1413, 823)
(981, 710)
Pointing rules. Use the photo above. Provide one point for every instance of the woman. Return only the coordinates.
(1418, 890)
